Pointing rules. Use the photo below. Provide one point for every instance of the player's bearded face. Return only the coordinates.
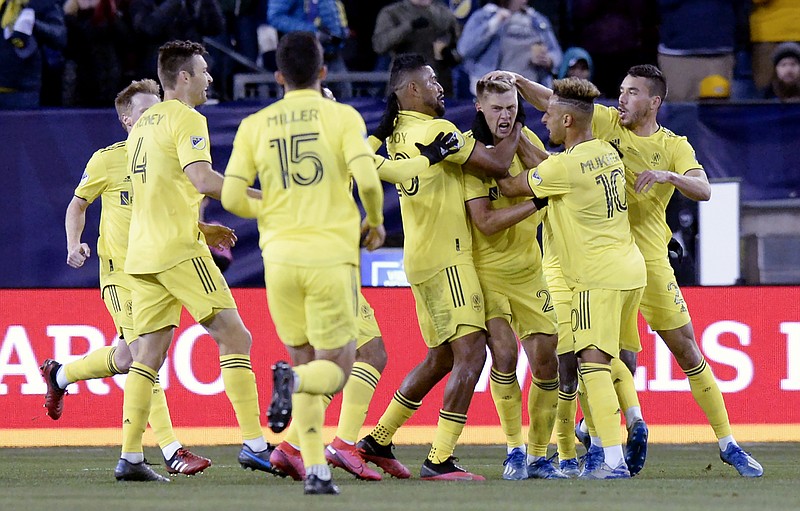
(634, 101)
(432, 91)
(500, 110)
(200, 81)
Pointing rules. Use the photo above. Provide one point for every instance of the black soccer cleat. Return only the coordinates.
(280, 409)
(141, 472)
(316, 486)
(258, 460)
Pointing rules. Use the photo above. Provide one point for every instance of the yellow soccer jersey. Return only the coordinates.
(550, 263)
(106, 176)
(663, 150)
(300, 148)
(437, 234)
(588, 215)
(513, 249)
(166, 205)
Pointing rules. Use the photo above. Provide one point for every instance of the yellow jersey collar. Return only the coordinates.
(299, 93)
(416, 115)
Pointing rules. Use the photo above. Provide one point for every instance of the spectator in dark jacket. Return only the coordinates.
(27, 27)
(785, 84)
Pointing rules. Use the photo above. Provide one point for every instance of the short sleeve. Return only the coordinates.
(475, 187)
(684, 158)
(354, 135)
(242, 163)
(465, 145)
(191, 138)
(550, 178)
(94, 180)
(604, 119)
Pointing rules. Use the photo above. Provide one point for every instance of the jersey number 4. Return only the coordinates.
(296, 155)
(139, 163)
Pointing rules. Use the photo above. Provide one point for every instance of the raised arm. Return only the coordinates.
(74, 223)
(529, 154)
(495, 161)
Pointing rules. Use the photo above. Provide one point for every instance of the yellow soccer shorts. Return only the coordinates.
(196, 284)
(604, 317)
(561, 295)
(115, 289)
(449, 305)
(367, 325)
(522, 299)
(313, 305)
(662, 304)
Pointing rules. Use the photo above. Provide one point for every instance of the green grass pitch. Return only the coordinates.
(676, 477)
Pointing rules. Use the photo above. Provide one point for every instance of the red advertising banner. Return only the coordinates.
(749, 335)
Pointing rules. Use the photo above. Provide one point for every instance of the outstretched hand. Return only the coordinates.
(218, 236)
(443, 145)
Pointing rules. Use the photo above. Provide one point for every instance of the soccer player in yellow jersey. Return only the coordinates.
(106, 176)
(304, 149)
(657, 162)
(588, 209)
(509, 265)
(438, 263)
(169, 161)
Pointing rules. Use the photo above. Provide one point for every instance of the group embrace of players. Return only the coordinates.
(471, 206)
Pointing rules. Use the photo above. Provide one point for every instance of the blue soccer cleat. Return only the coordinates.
(605, 472)
(745, 464)
(584, 438)
(258, 460)
(592, 460)
(541, 468)
(516, 468)
(569, 467)
(636, 447)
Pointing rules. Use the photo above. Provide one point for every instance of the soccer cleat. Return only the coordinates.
(593, 458)
(606, 472)
(316, 486)
(515, 467)
(127, 471)
(280, 409)
(382, 455)
(541, 468)
(446, 471)
(186, 462)
(569, 467)
(741, 460)
(636, 447)
(584, 438)
(54, 397)
(257, 460)
(345, 456)
(288, 460)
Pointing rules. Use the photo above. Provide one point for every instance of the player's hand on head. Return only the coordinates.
(78, 255)
(374, 237)
(443, 144)
(480, 129)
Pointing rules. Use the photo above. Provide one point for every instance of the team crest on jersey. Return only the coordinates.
(198, 143)
(535, 179)
(124, 198)
(477, 302)
(494, 193)
(655, 159)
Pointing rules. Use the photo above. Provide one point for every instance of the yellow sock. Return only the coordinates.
(308, 417)
(565, 425)
(448, 430)
(707, 394)
(508, 403)
(623, 385)
(602, 401)
(319, 377)
(356, 397)
(542, 406)
(160, 420)
(240, 387)
(587, 412)
(292, 436)
(136, 405)
(400, 409)
(97, 364)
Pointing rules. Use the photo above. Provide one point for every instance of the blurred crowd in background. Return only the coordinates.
(80, 53)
